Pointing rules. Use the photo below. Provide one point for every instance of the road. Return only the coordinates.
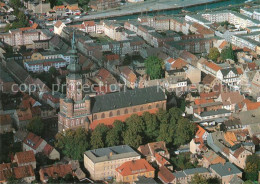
(146, 6)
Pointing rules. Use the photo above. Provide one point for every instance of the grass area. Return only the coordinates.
(100, 38)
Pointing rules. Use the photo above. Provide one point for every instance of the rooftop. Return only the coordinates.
(111, 153)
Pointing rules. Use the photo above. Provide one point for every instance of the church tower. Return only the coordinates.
(74, 78)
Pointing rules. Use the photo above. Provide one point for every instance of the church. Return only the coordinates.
(80, 110)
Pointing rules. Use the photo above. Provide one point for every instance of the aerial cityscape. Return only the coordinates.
(130, 91)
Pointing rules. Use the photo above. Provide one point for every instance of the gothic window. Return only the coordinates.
(110, 114)
(94, 117)
(134, 110)
(141, 109)
(157, 105)
(103, 115)
(149, 107)
(118, 112)
(82, 121)
(77, 122)
(126, 111)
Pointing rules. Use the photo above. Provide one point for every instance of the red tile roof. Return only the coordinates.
(252, 66)
(5, 119)
(58, 170)
(203, 101)
(4, 166)
(25, 157)
(179, 63)
(223, 45)
(213, 66)
(23, 171)
(89, 23)
(160, 159)
(47, 149)
(33, 140)
(58, 23)
(239, 71)
(165, 175)
(134, 167)
(239, 151)
(112, 57)
(208, 95)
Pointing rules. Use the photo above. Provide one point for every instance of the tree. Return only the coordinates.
(166, 133)
(132, 138)
(198, 179)
(36, 126)
(73, 143)
(98, 136)
(53, 71)
(152, 126)
(112, 137)
(227, 53)
(252, 167)
(185, 131)
(175, 113)
(135, 123)
(163, 116)
(214, 54)
(153, 67)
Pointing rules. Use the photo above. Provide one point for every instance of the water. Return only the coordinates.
(177, 11)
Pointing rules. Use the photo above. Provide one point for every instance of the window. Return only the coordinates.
(118, 112)
(126, 111)
(103, 115)
(157, 105)
(110, 114)
(149, 107)
(94, 117)
(134, 110)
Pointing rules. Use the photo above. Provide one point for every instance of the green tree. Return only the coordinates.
(135, 127)
(154, 67)
(175, 113)
(185, 131)
(198, 179)
(214, 54)
(73, 143)
(252, 167)
(166, 133)
(132, 138)
(163, 116)
(152, 126)
(15, 3)
(53, 71)
(112, 137)
(227, 53)
(135, 123)
(98, 136)
(36, 126)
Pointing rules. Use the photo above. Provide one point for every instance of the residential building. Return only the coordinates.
(44, 65)
(25, 158)
(211, 158)
(166, 176)
(230, 99)
(130, 170)
(186, 176)
(38, 145)
(228, 76)
(58, 27)
(54, 171)
(225, 172)
(6, 123)
(101, 163)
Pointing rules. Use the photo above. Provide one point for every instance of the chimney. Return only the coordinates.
(111, 153)
(229, 169)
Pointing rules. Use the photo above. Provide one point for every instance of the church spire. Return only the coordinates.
(74, 67)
